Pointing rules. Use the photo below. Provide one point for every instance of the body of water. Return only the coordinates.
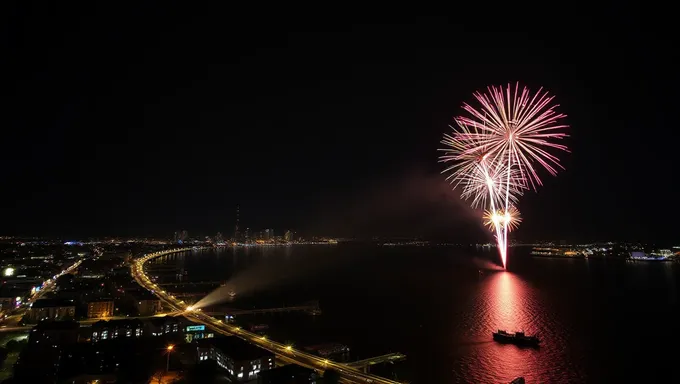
(599, 320)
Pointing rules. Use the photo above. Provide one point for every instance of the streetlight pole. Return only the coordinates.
(169, 349)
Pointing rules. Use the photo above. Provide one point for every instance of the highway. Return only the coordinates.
(282, 351)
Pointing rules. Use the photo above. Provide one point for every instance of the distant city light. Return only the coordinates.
(9, 271)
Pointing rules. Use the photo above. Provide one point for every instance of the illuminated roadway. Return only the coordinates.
(282, 351)
(14, 316)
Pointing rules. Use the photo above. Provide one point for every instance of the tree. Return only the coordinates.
(12, 346)
(3, 354)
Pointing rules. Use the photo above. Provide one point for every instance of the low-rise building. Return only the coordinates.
(160, 326)
(55, 333)
(243, 361)
(114, 329)
(51, 309)
(100, 308)
(148, 305)
(196, 332)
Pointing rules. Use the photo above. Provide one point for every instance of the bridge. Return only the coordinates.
(312, 307)
(365, 364)
(282, 351)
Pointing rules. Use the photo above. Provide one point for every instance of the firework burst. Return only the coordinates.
(504, 219)
(497, 149)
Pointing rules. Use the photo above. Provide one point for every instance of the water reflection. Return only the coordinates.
(505, 301)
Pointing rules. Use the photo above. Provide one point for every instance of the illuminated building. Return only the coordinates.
(115, 329)
(99, 308)
(54, 333)
(237, 232)
(197, 332)
(147, 304)
(288, 236)
(54, 309)
(159, 326)
(243, 361)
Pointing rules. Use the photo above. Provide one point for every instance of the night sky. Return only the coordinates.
(145, 120)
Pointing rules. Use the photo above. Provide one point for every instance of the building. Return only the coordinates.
(197, 332)
(148, 304)
(241, 360)
(160, 326)
(55, 333)
(237, 230)
(100, 308)
(288, 374)
(38, 364)
(116, 329)
(51, 309)
(288, 236)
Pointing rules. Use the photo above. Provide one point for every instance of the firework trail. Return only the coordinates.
(496, 151)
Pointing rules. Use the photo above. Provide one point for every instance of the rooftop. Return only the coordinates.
(118, 323)
(49, 303)
(100, 300)
(51, 325)
(164, 320)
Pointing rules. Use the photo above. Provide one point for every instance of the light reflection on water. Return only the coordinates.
(505, 301)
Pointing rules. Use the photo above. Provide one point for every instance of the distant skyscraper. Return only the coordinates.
(184, 235)
(247, 234)
(237, 232)
(218, 237)
(288, 236)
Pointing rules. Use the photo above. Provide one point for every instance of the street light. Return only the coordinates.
(168, 349)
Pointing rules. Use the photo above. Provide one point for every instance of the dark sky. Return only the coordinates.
(154, 118)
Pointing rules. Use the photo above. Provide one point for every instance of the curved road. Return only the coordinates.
(283, 352)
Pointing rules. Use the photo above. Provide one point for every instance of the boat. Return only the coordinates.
(518, 338)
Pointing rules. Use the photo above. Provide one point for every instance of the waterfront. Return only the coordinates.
(433, 305)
